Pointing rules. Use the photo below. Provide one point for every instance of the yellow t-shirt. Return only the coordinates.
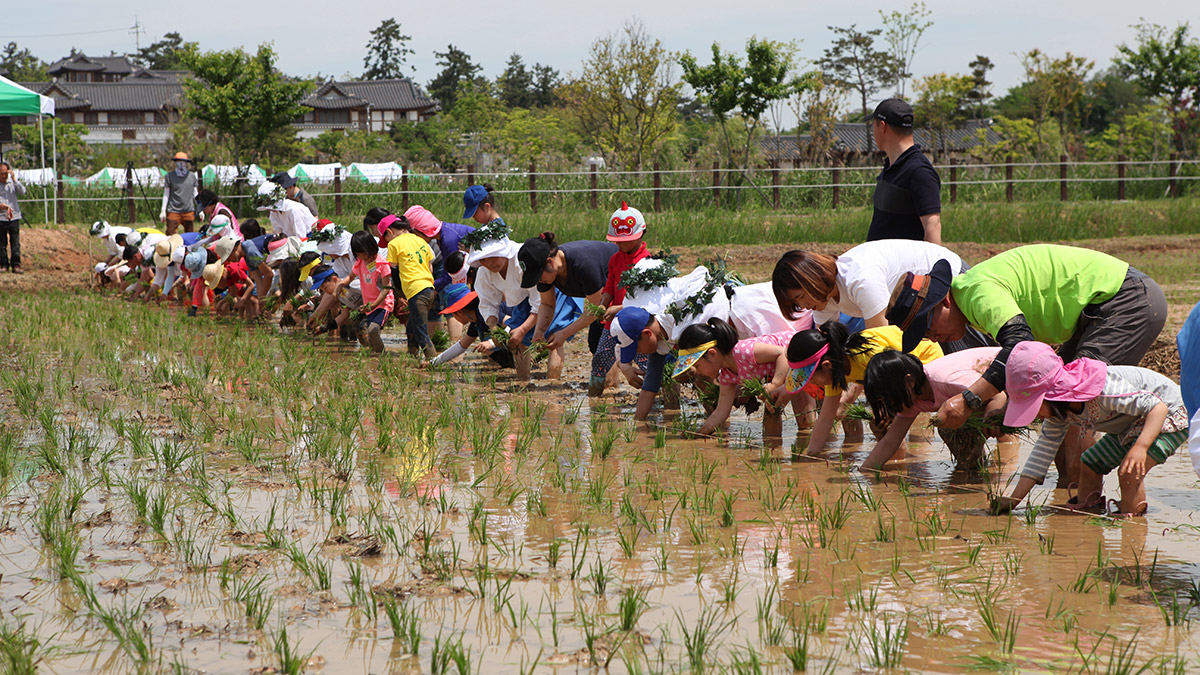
(413, 260)
(884, 337)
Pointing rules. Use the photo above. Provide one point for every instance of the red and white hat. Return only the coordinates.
(627, 224)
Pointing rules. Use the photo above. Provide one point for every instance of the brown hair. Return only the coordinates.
(813, 273)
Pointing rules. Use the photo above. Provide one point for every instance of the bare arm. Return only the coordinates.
(721, 412)
(933, 228)
(887, 446)
(826, 418)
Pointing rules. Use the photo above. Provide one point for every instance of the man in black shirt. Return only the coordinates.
(908, 200)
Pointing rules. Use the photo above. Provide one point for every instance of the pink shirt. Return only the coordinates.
(372, 277)
(747, 367)
(950, 374)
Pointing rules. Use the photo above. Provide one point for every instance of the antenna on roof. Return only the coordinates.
(137, 31)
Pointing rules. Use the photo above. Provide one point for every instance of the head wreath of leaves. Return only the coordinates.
(496, 229)
(327, 233)
(263, 200)
(636, 278)
(718, 276)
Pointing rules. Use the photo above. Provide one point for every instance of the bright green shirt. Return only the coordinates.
(1049, 284)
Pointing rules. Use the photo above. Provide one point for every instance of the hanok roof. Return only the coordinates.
(81, 62)
(400, 94)
(852, 137)
(138, 95)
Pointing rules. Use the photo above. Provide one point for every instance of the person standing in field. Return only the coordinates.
(908, 199)
(180, 186)
(295, 192)
(10, 219)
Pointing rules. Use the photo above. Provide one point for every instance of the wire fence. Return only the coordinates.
(787, 190)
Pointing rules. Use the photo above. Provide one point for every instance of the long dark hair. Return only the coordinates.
(887, 385)
(363, 242)
(716, 329)
(842, 345)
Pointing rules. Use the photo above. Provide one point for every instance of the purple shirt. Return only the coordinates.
(450, 235)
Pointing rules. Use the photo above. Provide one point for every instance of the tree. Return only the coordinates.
(515, 84)
(536, 135)
(981, 88)
(22, 65)
(903, 33)
(624, 98)
(1056, 88)
(476, 114)
(243, 98)
(72, 150)
(457, 69)
(387, 51)
(431, 142)
(941, 102)
(166, 54)
(1166, 65)
(818, 105)
(727, 85)
(853, 62)
(546, 81)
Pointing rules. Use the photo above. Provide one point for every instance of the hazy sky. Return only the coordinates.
(328, 37)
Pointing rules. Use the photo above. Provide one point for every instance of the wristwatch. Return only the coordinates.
(972, 399)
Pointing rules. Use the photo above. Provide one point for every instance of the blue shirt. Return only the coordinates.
(1188, 342)
(450, 235)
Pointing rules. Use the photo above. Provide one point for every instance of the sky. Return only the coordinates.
(328, 37)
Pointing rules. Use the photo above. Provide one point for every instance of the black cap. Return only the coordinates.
(914, 298)
(895, 112)
(285, 180)
(532, 256)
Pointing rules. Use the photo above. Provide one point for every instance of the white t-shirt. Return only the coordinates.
(494, 289)
(111, 240)
(869, 272)
(294, 219)
(147, 246)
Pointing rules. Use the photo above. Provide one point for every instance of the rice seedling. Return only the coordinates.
(449, 653)
(886, 641)
(1003, 634)
(702, 637)
(631, 607)
(21, 648)
(290, 660)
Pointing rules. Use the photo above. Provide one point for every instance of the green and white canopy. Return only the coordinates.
(18, 101)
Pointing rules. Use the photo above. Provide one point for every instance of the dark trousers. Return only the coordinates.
(10, 237)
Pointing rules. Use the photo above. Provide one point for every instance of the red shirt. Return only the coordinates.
(237, 276)
(616, 267)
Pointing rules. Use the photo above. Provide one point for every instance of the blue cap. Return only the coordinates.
(458, 296)
(627, 329)
(319, 279)
(195, 261)
(472, 198)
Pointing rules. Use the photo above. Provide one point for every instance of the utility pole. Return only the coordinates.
(137, 31)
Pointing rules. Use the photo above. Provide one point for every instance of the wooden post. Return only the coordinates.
(775, 184)
(129, 193)
(61, 193)
(836, 173)
(337, 190)
(533, 186)
(716, 182)
(1008, 171)
(1062, 178)
(404, 188)
(1174, 184)
(470, 175)
(595, 197)
(657, 189)
(953, 181)
(1121, 177)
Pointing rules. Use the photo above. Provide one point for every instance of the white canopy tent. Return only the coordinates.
(111, 176)
(18, 101)
(45, 176)
(225, 174)
(317, 173)
(374, 173)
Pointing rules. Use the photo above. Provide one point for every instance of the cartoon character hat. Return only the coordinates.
(626, 224)
(815, 344)
(689, 357)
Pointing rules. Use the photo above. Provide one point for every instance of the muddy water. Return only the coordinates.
(512, 535)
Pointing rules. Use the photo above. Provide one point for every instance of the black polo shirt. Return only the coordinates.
(904, 192)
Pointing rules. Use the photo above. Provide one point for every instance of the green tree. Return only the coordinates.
(430, 143)
(22, 65)
(546, 81)
(624, 98)
(537, 135)
(1142, 134)
(72, 151)
(243, 98)
(1165, 64)
(853, 62)
(818, 106)
(903, 33)
(387, 51)
(1113, 97)
(727, 85)
(1057, 88)
(515, 84)
(942, 103)
(166, 54)
(476, 115)
(981, 88)
(457, 70)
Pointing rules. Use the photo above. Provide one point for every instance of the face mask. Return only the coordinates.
(181, 168)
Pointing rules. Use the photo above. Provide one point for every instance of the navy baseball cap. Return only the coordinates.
(627, 329)
(914, 298)
(472, 198)
(895, 112)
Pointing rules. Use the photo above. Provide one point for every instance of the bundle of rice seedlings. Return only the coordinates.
(500, 334)
(592, 310)
(539, 351)
(755, 388)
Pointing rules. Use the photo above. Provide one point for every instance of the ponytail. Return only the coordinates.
(715, 330)
(548, 237)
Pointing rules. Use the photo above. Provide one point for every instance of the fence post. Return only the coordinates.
(953, 181)
(533, 186)
(1062, 177)
(337, 190)
(129, 193)
(1174, 183)
(836, 173)
(775, 184)
(470, 175)
(1008, 190)
(595, 197)
(1121, 177)
(657, 189)
(716, 181)
(61, 193)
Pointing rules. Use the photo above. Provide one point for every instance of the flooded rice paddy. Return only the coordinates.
(192, 496)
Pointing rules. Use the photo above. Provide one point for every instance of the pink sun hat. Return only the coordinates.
(423, 221)
(1034, 373)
